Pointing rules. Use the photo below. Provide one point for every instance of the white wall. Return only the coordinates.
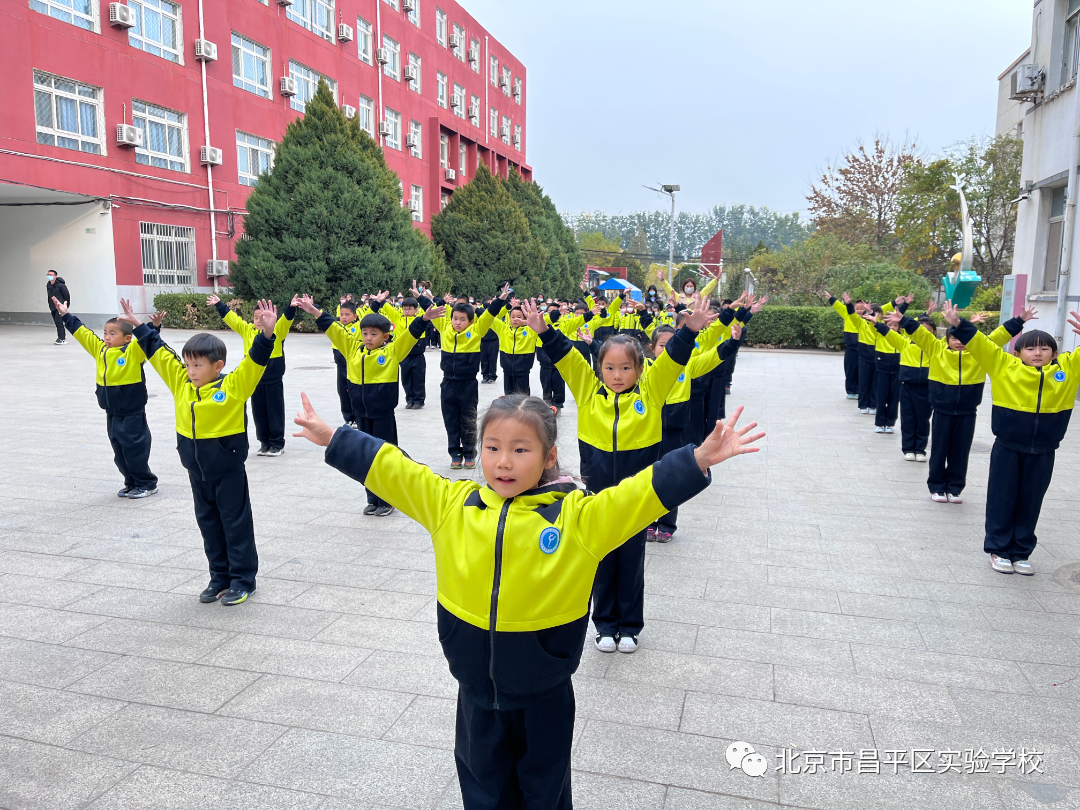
(36, 239)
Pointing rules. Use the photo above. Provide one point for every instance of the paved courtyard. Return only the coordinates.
(813, 600)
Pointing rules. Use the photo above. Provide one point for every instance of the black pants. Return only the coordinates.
(343, 388)
(130, 439)
(414, 379)
(459, 399)
(727, 371)
(58, 321)
(887, 384)
(1014, 496)
(268, 412)
(489, 359)
(553, 384)
(223, 511)
(516, 384)
(514, 759)
(867, 393)
(851, 369)
(672, 440)
(384, 428)
(915, 413)
(619, 590)
(715, 398)
(695, 428)
(950, 446)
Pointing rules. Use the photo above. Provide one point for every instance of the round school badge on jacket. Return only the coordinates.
(639, 406)
(468, 335)
(549, 539)
(382, 360)
(121, 361)
(1059, 376)
(682, 377)
(219, 396)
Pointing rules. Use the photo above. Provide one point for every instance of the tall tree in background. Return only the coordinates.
(328, 218)
(857, 200)
(486, 239)
(557, 278)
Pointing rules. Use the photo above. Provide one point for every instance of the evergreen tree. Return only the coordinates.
(328, 218)
(486, 240)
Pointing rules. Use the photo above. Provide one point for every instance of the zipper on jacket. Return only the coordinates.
(1038, 409)
(615, 441)
(194, 443)
(105, 373)
(494, 615)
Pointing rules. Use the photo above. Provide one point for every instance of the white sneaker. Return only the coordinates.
(1023, 567)
(921, 457)
(889, 429)
(864, 410)
(879, 429)
(955, 499)
(628, 644)
(909, 456)
(605, 644)
(939, 497)
(873, 410)
(1001, 565)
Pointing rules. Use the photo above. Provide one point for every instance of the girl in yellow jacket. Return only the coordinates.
(1034, 392)
(515, 562)
(619, 434)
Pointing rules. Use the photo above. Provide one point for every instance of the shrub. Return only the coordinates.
(189, 311)
(988, 298)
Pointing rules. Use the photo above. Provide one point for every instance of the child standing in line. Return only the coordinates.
(619, 434)
(211, 438)
(268, 400)
(351, 324)
(414, 364)
(915, 408)
(851, 344)
(1034, 393)
(121, 393)
(517, 349)
(513, 611)
(489, 352)
(886, 372)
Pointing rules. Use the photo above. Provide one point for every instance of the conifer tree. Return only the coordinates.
(328, 218)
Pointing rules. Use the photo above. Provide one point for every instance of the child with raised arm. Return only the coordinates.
(372, 368)
(1034, 392)
(121, 393)
(211, 438)
(513, 611)
(517, 348)
(851, 343)
(350, 323)
(915, 408)
(414, 364)
(268, 400)
(620, 433)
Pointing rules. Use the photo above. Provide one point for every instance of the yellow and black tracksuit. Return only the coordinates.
(347, 414)
(121, 393)
(886, 374)
(707, 397)
(851, 347)
(552, 385)
(619, 434)
(414, 364)
(868, 340)
(373, 378)
(211, 438)
(517, 352)
(915, 406)
(1032, 408)
(603, 325)
(956, 389)
(268, 400)
(489, 356)
(514, 578)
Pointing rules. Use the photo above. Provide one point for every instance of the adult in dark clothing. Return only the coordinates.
(58, 289)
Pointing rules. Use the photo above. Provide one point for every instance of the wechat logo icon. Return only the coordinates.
(741, 755)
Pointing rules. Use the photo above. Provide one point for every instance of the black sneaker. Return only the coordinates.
(455, 463)
(470, 464)
(142, 493)
(417, 406)
(124, 492)
(262, 450)
(409, 407)
(383, 511)
(212, 594)
(233, 597)
(370, 508)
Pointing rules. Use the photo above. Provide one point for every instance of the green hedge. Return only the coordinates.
(815, 327)
(189, 311)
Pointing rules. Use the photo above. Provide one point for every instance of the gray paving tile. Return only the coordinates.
(42, 624)
(152, 788)
(150, 639)
(128, 575)
(967, 594)
(285, 656)
(891, 633)
(772, 648)
(889, 792)
(49, 715)
(693, 672)
(50, 665)
(34, 776)
(940, 668)
(165, 683)
(765, 595)
(1022, 713)
(912, 610)
(187, 741)
(366, 602)
(595, 792)
(832, 580)
(682, 799)
(405, 672)
(996, 644)
(1017, 794)
(378, 633)
(704, 612)
(40, 592)
(46, 566)
(1059, 602)
(428, 721)
(653, 706)
(1038, 622)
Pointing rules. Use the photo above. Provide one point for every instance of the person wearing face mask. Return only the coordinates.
(56, 290)
(689, 289)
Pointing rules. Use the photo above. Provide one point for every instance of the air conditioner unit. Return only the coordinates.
(451, 175)
(504, 81)
(348, 111)
(385, 129)
(1027, 82)
(474, 53)
(474, 111)
(455, 100)
(517, 140)
(455, 41)
(504, 131)
(517, 92)
(288, 86)
(410, 73)
(408, 5)
(205, 50)
(209, 156)
(344, 33)
(412, 142)
(284, 2)
(121, 16)
(382, 56)
(413, 205)
(127, 135)
(217, 268)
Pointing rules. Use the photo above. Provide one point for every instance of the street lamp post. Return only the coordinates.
(670, 190)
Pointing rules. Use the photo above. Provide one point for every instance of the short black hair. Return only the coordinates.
(926, 319)
(125, 327)
(1036, 337)
(204, 345)
(410, 302)
(376, 321)
(349, 305)
(465, 309)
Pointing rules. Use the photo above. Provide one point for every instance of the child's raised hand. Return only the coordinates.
(129, 315)
(978, 317)
(700, 317)
(755, 308)
(736, 330)
(306, 303)
(61, 307)
(952, 316)
(931, 305)
(1074, 322)
(505, 291)
(1028, 313)
(431, 313)
(314, 429)
(382, 296)
(265, 317)
(295, 302)
(846, 298)
(533, 317)
(586, 336)
(157, 318)
(212, 300)
(893, 318)
(727, 441)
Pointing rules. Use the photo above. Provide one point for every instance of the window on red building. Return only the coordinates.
(68, 114)
(364, 40)
(82, 13)
(164, 136)
(157, 29)
(316, 16)
(251, 66)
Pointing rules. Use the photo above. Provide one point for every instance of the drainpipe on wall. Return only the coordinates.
(1064, 276)
(378, 44)
(487, 90)
(206, 140)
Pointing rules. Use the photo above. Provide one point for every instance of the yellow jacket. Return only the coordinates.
(684, 299)
(121, 382)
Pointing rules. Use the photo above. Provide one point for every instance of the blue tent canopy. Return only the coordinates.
(615, 283)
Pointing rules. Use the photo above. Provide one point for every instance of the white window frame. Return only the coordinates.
(440, 26)
(459, 91)
(155, 114)
(249, 48)
(392, 3)
(506, 74)
(171, 253)
(137, 37)
(444, 151)
(365, 36)
(441, 83)
(415, 62)
(366, 110)
(393, 117)
(493, 71)
(517, 89)
(475, 101)
(312, 15)
(505, 126)
(64, 10)
(414, 15)
(1055, 227)
(83, 96)
(416, 129)
(463, 160)
(255, 147)
(392, 68)
(476, 64)
(494, 123)
(307, 82)
(460, 52)
(1070, 46)
(517, 136)
(417, 193)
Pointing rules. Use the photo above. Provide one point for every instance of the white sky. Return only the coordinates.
(743, 102)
